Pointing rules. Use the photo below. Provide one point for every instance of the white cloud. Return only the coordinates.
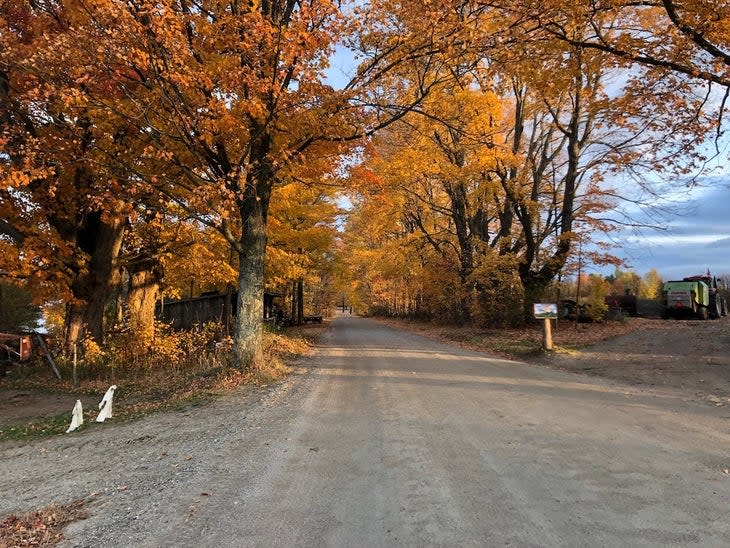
(696, 239)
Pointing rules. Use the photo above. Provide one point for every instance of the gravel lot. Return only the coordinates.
(691, 357)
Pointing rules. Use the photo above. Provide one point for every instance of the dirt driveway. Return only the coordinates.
(691, 356)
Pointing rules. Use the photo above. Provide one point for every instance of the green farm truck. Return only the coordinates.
(717, 304)
(693, 297)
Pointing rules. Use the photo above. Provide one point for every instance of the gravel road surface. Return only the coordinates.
(386, 438)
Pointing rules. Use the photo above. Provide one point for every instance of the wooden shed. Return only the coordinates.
(208, 307)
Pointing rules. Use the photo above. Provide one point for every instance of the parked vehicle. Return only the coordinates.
(717, 304)
(686, 299)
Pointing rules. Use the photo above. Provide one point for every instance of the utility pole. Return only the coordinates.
(300, 289)
(577, 288)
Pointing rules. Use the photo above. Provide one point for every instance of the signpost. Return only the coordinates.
(546, 312)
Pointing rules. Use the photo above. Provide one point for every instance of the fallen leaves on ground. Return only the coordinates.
(41, 528)
(521, 342)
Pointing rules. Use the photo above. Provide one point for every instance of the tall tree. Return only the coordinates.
(436, 159)
(227, 100)
(63, 212)
(520, 178)
(651, 286)
(580, 117)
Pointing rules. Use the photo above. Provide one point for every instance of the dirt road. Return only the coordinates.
(691, 356)
(392, 439)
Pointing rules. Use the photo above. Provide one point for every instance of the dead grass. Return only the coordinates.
(137, 396)
(145, 391)
(524, 342)
(41, 528)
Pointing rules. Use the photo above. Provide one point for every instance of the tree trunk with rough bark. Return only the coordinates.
(101, 240)
(250, 304)
(253, 207)
(145, 278)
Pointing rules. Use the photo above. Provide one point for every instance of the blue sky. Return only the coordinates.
(342, 67)
(697, 236)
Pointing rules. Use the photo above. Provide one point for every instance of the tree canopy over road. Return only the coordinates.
(162, 147)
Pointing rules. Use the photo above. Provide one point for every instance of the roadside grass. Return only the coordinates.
(40, 528)
(142, 391)
(46, 426)
(523, 343)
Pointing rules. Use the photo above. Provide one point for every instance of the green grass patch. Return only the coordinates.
(37, 429)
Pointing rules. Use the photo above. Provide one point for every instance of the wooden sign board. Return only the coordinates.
(545, 311)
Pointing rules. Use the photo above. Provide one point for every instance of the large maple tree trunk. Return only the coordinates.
(253, 207)
(145, 278)
(92, 285)
(535, 281)
(250, 303)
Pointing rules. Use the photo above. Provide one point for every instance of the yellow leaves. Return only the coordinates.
(92, 352)
(201, 255)
(16, 179)
(135, 57)
(301, 232)
(156, 153)
(73, 98)
(12, 178)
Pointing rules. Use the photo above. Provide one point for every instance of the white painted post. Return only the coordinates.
(547, 335)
